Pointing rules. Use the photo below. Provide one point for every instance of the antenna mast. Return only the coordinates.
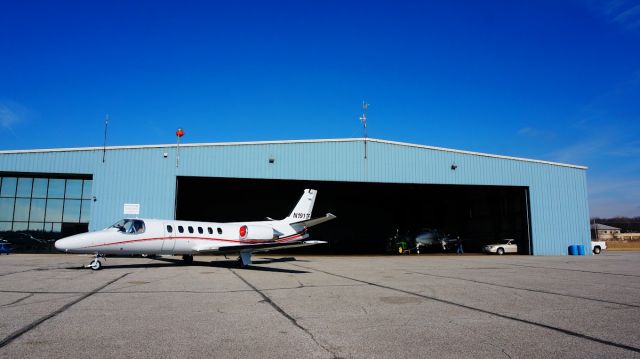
(363, 120)
(104, 144)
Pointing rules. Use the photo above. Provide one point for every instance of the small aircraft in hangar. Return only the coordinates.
(167, 237)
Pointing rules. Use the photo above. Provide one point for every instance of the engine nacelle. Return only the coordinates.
(259, 233)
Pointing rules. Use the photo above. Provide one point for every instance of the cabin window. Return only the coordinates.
(190, 229)
(209, 230)
(180, 229)
(219, 230)
(169, 229)
(200, 230)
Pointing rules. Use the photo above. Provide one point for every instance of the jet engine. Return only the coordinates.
(255, 232)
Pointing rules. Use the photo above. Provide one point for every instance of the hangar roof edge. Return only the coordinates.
(482, 154)
(214, 144)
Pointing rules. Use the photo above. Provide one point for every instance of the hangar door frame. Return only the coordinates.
(260, 197)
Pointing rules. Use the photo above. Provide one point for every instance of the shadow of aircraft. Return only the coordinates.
(171, 262)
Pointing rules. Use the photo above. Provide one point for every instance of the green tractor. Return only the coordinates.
(400, 244)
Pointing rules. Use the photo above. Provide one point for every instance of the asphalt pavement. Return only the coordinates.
(418, 306)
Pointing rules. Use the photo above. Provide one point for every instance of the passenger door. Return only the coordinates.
(169, 241)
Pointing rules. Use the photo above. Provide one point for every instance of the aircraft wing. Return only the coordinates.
(260, 247)
(313, 222)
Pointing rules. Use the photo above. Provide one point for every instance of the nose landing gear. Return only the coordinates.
(95, 263)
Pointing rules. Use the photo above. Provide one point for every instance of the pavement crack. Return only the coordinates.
(279, 309)
(309, 286)
(119, 291)
(497, 347)
(480, 310)
(18, 333)
(33, 269)
(529, 290)
(22, 271)
(574, 270)
(18, 301)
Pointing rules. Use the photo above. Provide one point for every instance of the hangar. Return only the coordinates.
(376, 188)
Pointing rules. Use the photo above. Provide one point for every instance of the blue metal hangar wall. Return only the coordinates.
(377, 188)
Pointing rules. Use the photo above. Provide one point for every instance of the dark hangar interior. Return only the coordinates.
(368, 214)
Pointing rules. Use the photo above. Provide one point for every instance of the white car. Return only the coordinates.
(501, 248)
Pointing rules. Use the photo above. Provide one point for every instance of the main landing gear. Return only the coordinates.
(244, 260)
(187, 259)
(95, 263)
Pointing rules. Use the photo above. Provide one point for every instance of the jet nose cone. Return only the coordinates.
(60, 244)
(67, 244)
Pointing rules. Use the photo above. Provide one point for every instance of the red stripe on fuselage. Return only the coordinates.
(246, 241)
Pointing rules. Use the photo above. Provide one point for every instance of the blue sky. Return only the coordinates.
(551, 80)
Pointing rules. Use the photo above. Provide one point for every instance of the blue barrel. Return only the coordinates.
(580, 249)
(573, 250)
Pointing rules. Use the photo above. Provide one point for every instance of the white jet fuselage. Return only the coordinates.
(180, 237)
(133, 236)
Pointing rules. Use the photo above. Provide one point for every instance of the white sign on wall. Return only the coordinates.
(132, 208)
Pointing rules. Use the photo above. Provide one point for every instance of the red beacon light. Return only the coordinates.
(180, 132)
(243, 231)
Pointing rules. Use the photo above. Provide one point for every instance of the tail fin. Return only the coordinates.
(303, 209)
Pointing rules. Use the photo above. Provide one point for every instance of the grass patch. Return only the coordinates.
(622, 246)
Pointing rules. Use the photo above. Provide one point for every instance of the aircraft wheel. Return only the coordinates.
(500, 251)
(596, 250)
(95, 265)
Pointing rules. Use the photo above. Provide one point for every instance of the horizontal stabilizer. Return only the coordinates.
(314, 221)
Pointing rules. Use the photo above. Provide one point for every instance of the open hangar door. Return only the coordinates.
(368, 213)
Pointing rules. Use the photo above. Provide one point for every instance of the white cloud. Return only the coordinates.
(527, 131)
(614, 194)
(11, 114)
(613, 180)
(581, 152)
(625, 149)
(605, 139)
(623, 13)
(604, 186)
(608, 207)
(536, 133)
(629, 18)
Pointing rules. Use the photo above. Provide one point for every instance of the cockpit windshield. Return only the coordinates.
(130, 226)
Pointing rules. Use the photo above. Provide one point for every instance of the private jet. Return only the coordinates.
(432, 238)
(155, 237)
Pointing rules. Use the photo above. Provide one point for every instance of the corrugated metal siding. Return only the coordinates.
(558, 194)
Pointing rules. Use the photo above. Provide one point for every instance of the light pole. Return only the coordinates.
(179, 134)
